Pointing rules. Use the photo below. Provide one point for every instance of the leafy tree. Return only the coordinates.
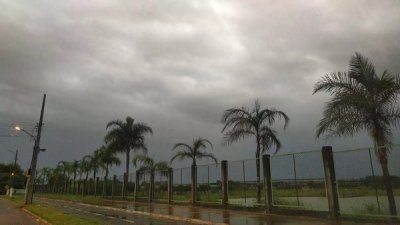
(127, 136)
(193, 152)
(362, 101)
(257, 123)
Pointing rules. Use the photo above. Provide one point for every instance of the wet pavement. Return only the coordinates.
(207, 214)
(104, 215)
(13, 216)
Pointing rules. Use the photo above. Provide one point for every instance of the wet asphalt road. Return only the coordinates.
(13, 216)
(104, 215)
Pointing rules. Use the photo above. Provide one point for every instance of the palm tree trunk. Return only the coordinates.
(105, 182)
(194, 179)
(74, 187)
(125, 184)
(387, 181)
(94, 181)
(258, 168)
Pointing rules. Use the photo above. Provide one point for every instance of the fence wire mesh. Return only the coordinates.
(181, 184)
(209, 183)
(298, 181)
(360, 181)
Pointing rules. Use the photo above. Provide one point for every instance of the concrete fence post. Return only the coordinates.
(135, 195)
(330, 182)
(113, 186)
(170, 184)
(224, 179)
(266, 161)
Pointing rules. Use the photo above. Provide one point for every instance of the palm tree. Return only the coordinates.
(95, 166)
(63, 166)
(127, 136)
(148, 164)
(75, 165)
(193, 152)
(107, 159)
(255, 123)
(85, 168)
(362, 101)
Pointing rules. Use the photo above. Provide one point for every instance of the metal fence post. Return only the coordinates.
(113, 186)
(330, 181)
(266, 161)
(170, 183)
(224, 179)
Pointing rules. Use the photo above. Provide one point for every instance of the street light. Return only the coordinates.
(26, 132)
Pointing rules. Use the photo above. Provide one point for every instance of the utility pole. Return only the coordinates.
(36, 149)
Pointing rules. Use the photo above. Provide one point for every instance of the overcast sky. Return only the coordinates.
(176, 65)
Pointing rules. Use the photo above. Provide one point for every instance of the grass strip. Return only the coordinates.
(57, 217)
(51, 215)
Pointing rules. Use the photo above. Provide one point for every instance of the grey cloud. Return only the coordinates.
(177, 65)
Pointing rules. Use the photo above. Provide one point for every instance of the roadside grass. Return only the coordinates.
(51, 215)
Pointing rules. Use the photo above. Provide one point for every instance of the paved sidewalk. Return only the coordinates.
(13, 216)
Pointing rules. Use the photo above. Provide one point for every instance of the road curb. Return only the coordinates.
(39, 219)
(153, 215)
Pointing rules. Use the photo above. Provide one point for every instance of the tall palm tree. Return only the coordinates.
(127, 136)
(193, 152)
(107, 159)
(257, 123)
(148, 164)
(362, 101)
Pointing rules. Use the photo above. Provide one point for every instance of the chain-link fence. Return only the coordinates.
(209, 184)
(298, 181)
(182, 184)
(361, 182)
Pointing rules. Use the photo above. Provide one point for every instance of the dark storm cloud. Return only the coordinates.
(177, 65)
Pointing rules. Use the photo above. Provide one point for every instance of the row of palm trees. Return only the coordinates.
(361, 101)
